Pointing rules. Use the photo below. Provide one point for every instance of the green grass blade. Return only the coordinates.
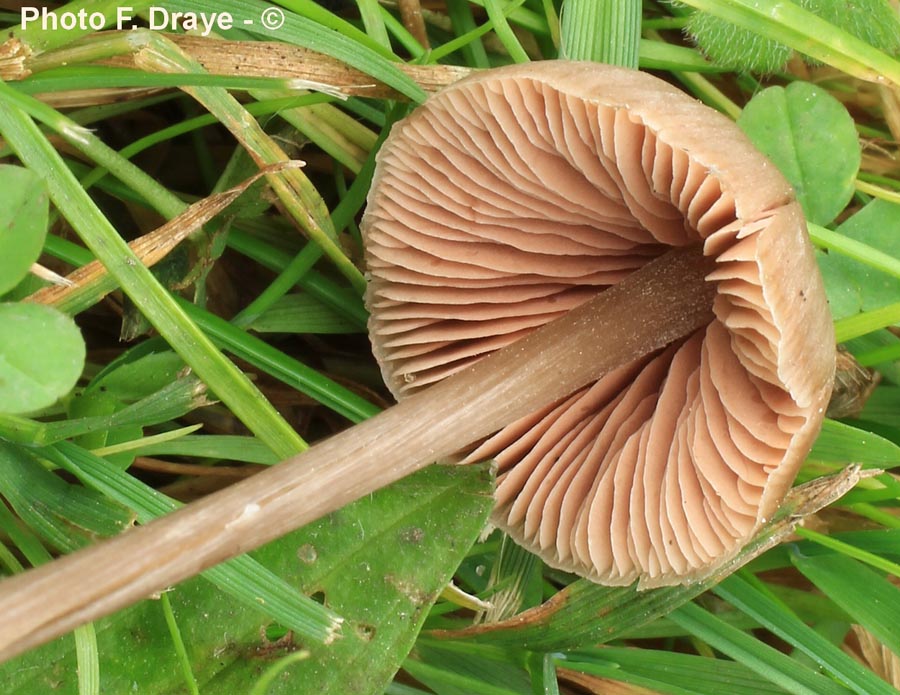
(473, 51)
(259, 108)
(172, 401)
(497, 14)
(28, 544)
(552, 17)
(459, 682)
(279, 365)
(299, 197)
(88, 658)
(372, 21)
(349, 304)
(313, 10)
(612, 672)
(9, 560)
(523, 17)
(401, 34)
(66, 516)
(866, 595)
(82, 139)
(212, 446)
(775, 617)
(839, 243)
(290, 276)
(866, 322)
(767, 661)
(841, 443)
(147, 441)
(605, 31)
(301, 313)
(658, 55)
(665, 670)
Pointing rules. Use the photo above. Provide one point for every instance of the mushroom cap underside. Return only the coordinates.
(516, 194)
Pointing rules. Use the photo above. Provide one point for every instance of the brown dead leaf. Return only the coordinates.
(153, 247)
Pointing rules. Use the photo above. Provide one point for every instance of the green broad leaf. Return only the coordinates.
(853, 286)
(742, 49)
(302, 313)
(381, 562)
(841, 443)
(41, 356)
(874, 21)
(865, 594)
(734, 48)
(65, 515)
(812, 140)
(24, 214)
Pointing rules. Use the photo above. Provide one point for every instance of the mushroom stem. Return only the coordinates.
(658, 304)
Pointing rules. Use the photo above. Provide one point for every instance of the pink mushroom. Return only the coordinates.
(516, 194)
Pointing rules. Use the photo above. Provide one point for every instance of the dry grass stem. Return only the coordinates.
(411, 13)
(153, 247)
(269, 59)
(877, 656)
(50, 276)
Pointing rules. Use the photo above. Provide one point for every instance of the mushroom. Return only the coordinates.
(648, 407)
(516, 194)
